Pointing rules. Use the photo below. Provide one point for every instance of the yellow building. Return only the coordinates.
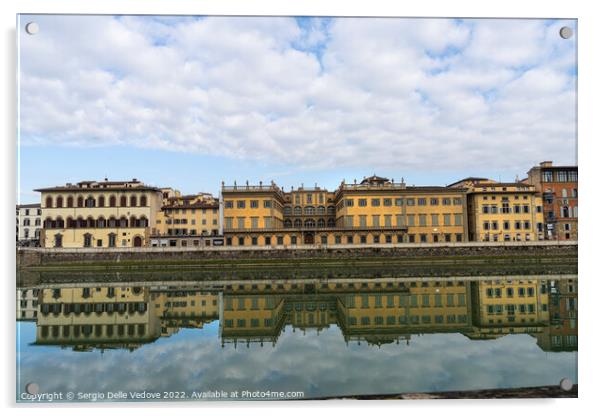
(96, 317)
(375, 211)
(500, 211)
(509, 306)
(186, 220)
(99, 214)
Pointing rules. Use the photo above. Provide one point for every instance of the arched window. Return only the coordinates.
(101, 222)
(60, 223)
(87, 240)
(69, 202)
(297, 210)
(321, 223)
(298, 223)
(112, 222)
(287, 210)
(59, 202)
(565, 212)
(331, 223)
(310, 223)
(143, 201)
(288, 224)
(81, 223)
(564, 193)
(101, 201)
(321, 210)
(143, 222)
(123, 201)
(112, 201)
(331, 210)
(70, 222)
(309, 210)
(58, 240)
(48, 223)
(48, 202)
(123, 222)
(90, 223)
(90, 202)
(134, 222)
(80, 201)
(133, 201)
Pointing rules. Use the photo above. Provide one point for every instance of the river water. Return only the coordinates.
(113, 340)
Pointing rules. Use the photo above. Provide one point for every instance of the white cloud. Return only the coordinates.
(425, 94)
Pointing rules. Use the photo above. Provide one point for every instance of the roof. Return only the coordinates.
(375, 178)
(469, 179)
(105, 185)
(29, 206)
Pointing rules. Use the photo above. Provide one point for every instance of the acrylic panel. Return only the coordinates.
(285, 208)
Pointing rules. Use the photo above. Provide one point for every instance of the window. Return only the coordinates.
(375, 202)
(421, 201)
(411, 220)
(87, 240)
(280, 240)
(229, 204)
(561, 175)
(362, 202)
(268, 241)
(349, 239)
(376, 221)
(446, 219)
(457, 219)
(324, 239)
(434, 201)
(254, 203)
(485, 209)
(267, 204)
(434, 219)
(294, 239)
(457, 201)
(240, 204)
(387, 202)
(410, 202)
(422, 220)
(241, 222)
(546, 176)
(423, 238)
(349, 202)
(254, 241)
(388, 220)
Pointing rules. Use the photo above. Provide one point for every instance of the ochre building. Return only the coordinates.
(186, 220)
(99, 214)
(375, 211)
(500, 211)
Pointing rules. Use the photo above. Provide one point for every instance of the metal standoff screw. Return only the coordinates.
(566, 32)
(32, 388)
(32, 28)
(566, 384)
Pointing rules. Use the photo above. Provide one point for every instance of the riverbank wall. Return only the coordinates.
(41, 257)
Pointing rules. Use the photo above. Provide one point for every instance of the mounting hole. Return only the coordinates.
(566, 32)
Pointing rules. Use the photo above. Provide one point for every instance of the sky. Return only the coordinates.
(189, 102)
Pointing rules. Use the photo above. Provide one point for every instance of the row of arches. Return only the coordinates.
(92, 202)
(309, 210)
(88, 308)
(310, 223)
(100, 222)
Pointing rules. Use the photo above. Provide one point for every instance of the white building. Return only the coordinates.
(29, 223)
(27, 304)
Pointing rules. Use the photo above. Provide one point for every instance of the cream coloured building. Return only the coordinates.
(99, 214)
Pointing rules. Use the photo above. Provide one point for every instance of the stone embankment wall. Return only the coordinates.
(27, 257)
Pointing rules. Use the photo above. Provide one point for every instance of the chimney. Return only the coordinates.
(546, 164)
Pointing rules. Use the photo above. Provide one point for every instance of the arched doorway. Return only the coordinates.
(137, 241)
(308, 238)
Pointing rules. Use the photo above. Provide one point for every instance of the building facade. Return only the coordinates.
(187, 221)
(499, 211)
(99, 214)
(29, 224)
(375, 211)
(559, 187)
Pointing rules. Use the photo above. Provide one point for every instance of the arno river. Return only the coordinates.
(115, 338)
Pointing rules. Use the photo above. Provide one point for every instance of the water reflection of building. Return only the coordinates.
(96, 317)
(374, 311)
(561, 334)
(27, 304)
(183, 308)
